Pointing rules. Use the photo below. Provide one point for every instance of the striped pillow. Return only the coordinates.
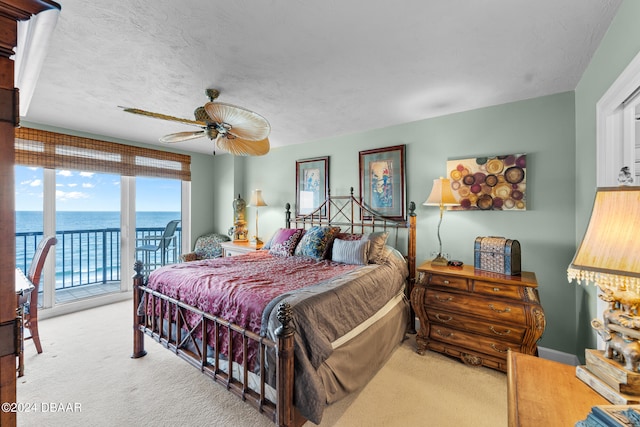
(351, 251)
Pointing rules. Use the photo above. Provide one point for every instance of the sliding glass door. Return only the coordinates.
(87, 206)
(86, 211)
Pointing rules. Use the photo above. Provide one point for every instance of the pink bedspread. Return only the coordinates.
(239, 288)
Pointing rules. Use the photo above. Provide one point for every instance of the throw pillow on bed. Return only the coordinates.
(267, 245)
(350, 251)
(378, 240)
(284, 241)
(349, 236)
(316, 242)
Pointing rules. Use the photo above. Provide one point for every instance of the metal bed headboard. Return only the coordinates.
(350, 214)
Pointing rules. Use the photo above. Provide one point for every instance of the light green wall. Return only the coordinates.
(618, 48)
(205, 176)
(542, 127)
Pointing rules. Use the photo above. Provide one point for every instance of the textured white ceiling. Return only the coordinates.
(314, 69)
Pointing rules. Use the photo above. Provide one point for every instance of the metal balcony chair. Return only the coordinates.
(162, 243)
(30, 312)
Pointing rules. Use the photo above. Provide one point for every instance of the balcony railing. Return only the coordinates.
(89, 257)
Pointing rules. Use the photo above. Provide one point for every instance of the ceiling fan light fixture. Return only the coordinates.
(212, 132)
(234, 129)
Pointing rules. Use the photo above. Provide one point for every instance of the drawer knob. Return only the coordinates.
(493, 346)
(506, 331)
(506, 310)
(446, 282)
(443, 335)
(447, 299)
(443, 319)
(496, 289)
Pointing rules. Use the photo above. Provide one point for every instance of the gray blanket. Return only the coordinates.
(325, 312)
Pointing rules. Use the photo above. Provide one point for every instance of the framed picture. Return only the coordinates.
(312, 184)
(492, 183)
(382, 181)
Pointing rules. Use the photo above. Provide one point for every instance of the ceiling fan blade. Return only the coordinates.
(242, 147)
(163, 116)
(245, 124)
(182, 136)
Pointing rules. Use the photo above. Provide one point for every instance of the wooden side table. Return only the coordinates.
(546, 393)
(237, 248)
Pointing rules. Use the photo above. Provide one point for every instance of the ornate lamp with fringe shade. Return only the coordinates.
(441, 196)
(609, 257)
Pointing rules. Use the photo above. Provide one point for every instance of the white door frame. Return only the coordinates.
(615, 126)
(616, 134)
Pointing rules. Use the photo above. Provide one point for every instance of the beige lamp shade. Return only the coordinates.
(256, 199)
(609, 254)
(441, 194)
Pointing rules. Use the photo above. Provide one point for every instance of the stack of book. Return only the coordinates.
(618, 385)
(612, 416)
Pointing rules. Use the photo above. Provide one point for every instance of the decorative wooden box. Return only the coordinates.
(498, 255)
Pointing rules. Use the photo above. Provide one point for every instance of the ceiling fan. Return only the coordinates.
(235, 129)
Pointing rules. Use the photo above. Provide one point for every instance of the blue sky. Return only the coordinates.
(88, 191)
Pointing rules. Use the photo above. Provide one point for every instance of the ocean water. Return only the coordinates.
(31, 221)
(88, 249)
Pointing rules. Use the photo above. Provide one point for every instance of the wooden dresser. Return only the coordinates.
(476, 315)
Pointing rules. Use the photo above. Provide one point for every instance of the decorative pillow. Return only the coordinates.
(350, 251)
(348, 236)
(378, 240)
(316, 242)
(285, 240)
(267, 244)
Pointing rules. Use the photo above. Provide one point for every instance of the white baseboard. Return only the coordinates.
(558, 356)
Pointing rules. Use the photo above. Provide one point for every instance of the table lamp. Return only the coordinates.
(441, 195)
(257, 201)
(609, 257)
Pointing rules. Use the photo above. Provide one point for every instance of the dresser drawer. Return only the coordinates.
(494, 289)
(513, 333)
(233, 252)
(490, 346)
(504, 311)
(448, 281)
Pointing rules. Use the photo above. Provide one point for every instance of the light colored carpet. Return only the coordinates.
(86, 367)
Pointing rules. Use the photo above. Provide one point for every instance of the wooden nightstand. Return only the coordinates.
(476, 315)
(237, 248)
(546, 393)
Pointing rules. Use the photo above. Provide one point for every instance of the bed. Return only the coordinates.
(279, 327)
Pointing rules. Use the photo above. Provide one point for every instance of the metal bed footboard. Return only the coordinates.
(169, 328)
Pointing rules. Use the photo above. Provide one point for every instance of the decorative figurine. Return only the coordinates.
(239, 230)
